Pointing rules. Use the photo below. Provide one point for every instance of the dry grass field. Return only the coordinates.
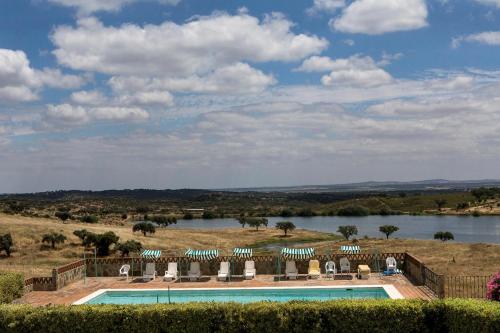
(33, 258)
(36, 259)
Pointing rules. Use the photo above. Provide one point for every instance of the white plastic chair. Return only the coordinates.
(330, 269)
(391, 264)
(291, 271)
(124, 270)
(250, 271)
(171, 273)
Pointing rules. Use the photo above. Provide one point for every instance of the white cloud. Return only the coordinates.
(375, 17)
(486, 37)
(355, 71)
(20, 82)
(490, 2)
(193, 48)
(93, 97)
(86, 7)
(329, 6)
(66, 115)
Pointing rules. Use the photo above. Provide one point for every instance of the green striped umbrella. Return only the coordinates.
(242, 253)
(297, 254)
(202, 255)
(151, 254)
(350, 249)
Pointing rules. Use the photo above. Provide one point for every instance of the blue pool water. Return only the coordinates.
(236, 295)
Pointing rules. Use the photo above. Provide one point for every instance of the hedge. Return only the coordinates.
(11, 287)
(335, 316)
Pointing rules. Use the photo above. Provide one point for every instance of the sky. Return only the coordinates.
(217, 94)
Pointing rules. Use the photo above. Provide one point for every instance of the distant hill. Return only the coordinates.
(380, 186)
(433, 185)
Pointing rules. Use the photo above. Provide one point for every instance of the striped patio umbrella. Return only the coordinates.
(242, 253)
(297, 254)
(151, 254)
(350, 249)
(202, 255)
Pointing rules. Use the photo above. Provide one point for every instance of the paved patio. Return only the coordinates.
(80, 289)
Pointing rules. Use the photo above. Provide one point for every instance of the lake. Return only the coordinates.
(484, 229)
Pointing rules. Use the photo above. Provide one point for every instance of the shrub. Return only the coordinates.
(63, 216)
(444, 236)
(162, 219)
(208, 215)
(353, 211)
(286, 213)
(53, 238)
(452, 316)
(89, 219)
(188, 216)
(11, 287)
(493, 288)
(129, 246)
(6, 243)
(476, 213)
(306, 212)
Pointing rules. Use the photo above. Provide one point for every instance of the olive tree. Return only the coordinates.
(285, 226)
(347, 231)
(388, 230)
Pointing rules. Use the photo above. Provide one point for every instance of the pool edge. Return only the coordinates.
(390, 290)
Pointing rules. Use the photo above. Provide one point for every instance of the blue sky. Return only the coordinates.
(209, 94)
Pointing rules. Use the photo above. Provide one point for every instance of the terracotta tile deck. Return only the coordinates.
(78, 290)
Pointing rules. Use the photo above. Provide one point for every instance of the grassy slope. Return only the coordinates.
(34, 258)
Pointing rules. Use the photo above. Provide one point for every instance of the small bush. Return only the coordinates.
(89, 219)
(11, 287)
(493, 288)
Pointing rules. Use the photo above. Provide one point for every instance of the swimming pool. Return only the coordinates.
(239, 295)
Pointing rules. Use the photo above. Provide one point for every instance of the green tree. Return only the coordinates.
(162, 219)
(129, 246)
(188, 216)
(285, 226)
(440, 203)
(242, 220)
(63, 216)
(144, 227)
(82, 234)
(388, 230)
(256, 222)
(6, 243)
(353, 210)
(347, 231)
(444, 236)
(102, 242)
(54, 238)
(208, 215)
(306, 212)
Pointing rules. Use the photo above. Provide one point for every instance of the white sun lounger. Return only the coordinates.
(194, 271)
(150, 272)
(345, 265)
(223, 273)
(250, 271)
(291, 271)
(171, 273)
